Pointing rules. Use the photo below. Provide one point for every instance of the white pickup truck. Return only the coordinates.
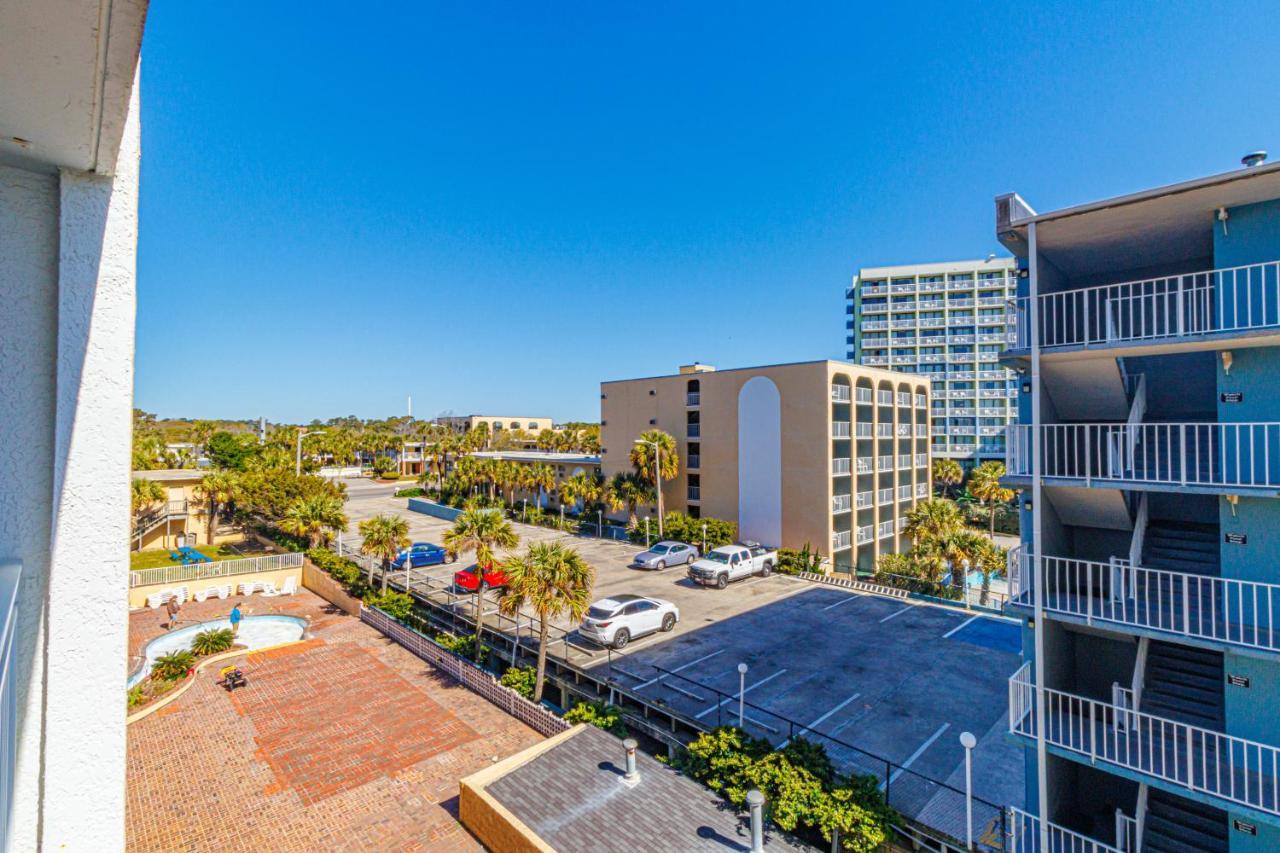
(731, 563)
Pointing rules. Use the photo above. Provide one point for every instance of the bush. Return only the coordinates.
(682, 528)
(413, 492)
(792, 562)
(344, 571)
(397, 605)
(600, 715)
(520, 679)
(136, 695)
(462, 646)
(383, 466)
(173, 665)
(977, 515)
(213, 641)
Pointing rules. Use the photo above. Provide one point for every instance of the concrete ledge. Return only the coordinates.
(319, 582)
(429, 507)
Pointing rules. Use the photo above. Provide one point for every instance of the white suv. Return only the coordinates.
(618, 620)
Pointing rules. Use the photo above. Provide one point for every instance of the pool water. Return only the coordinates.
(256, 632)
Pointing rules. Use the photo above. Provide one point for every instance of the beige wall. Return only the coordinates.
(468, 422)
(630, 407)
(182, 489)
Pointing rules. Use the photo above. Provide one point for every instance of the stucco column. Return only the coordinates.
(86, 626)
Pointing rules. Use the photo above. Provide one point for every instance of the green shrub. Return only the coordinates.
(683, 528)
(383, 466)
(462, 646)
(344, 571)
(793, 562)
(213, 641)
(397, 605)
(413, 492)
(520, 679)
(173, 665)
(718, 757)
(136, 695)
(600, 715)
(812, 757)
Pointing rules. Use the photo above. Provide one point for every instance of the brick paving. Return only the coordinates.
(343, 742)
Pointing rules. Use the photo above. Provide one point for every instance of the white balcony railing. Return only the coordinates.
(904, 359)
(862, 395)
(875, 359)
(693, 398)
(864, 500)
(904, 398)
(922, 401)
(839, 429)
(874, 308)
(904, 492)
(841, 393)
(841, 539)
(871, 325)
(841, 503)
(933, 358)
(904, 460)
(904, 430)
(884, 430)
(864, 464)
(1202, 454)
(922, 459)
(902, 323)
(884, 496)
(1233, 299)
(1230, 768)
(840, 466)
(885, 462)
(865, 429)
(1224, 610)
(922, 490)
(1026, 835)
(922, 430)
(864, 534)
(884, 529)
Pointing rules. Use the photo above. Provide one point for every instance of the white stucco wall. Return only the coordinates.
(67, 282)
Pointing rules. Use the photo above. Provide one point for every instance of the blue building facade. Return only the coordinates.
(1148, 452)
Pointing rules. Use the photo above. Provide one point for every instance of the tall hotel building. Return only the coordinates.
(823, 453)
(1148, 579)
(948, 321)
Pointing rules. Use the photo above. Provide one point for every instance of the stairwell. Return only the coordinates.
(1177, 825)
(1180, 546)
(1185, 684)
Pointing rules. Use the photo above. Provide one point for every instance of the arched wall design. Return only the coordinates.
(760, 461)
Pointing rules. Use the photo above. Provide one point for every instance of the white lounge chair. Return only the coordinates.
(157, 599)
(249, 587)
(269, 589)
(181, 594)
(224, 591)
(290, 585)
(202, 594)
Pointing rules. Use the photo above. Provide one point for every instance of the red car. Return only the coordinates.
(468, 579)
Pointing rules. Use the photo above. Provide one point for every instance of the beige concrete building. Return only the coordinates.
(825, 453)
(465, 423)
(180, 518)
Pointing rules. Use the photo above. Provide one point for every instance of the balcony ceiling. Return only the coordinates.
(1168, 225)
(66, 74)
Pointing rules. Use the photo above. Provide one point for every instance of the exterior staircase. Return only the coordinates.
(1182, 547)
(1176, 825)
(1185, 684)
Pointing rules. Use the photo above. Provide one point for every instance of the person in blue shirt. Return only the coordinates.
(235, 620)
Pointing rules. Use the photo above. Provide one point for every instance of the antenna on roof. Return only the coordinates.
(1254, 158)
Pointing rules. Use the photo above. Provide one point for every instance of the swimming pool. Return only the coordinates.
(256, 632)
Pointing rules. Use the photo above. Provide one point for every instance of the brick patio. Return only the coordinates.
(345, 741)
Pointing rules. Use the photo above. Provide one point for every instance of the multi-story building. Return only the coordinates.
(495, 423)
(947, 321)
(1148, 446)
(824, 453)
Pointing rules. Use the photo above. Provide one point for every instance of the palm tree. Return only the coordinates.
(546, 440)
(144, 493)
(553, 581)
(539, 479)
(932, 520)
(947, 473)
(385, 536)
(215, 490)
(667, 463)
(480, 531)
(315, 517)
(580, 487)
(630, 491)
(963, 549)
(985, 485)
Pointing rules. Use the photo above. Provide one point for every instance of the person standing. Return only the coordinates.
(172, 608)
(235, 620)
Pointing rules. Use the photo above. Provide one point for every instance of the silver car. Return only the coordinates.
(666, 553)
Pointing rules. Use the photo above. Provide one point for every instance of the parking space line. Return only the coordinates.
(844, 600)
(904, 765)
(823, 718)
(678, 669)
(734, 697)
(961, 625)
(897, 613)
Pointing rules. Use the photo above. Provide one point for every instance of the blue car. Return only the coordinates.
(422, 554)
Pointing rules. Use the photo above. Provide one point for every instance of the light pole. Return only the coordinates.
(646, 531)
(297, 467)
(742, 692)
(968, 741)
(657, 476)
(600, 521)
(704, 537)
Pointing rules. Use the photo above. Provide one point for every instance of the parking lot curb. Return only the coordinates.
(850, 583)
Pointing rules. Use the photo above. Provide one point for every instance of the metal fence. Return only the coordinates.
(220, 569)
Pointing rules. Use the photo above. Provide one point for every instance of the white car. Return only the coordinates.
(732, 563)
(618, 620)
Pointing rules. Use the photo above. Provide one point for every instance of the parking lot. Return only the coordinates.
(885, 676)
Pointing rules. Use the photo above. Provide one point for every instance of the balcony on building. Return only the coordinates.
(840, 393)
(840, 466)
(841, 504)
(841, 540)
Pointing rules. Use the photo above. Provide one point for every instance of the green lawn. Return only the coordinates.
(158, 558)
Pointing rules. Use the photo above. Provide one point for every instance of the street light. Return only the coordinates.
(297, 468)
(968, 741)
(742, 691)
(657, 476)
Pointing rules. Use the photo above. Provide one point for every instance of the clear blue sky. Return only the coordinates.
(495, 207)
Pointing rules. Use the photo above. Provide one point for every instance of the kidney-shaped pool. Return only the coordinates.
(256, 632)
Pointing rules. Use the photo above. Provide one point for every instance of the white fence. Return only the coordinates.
(1215, 454)
(468, 674)
(221, 569)
(1234, 299)
(1231, 768)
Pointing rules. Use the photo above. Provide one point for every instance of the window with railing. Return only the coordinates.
(841, 503)
(840, 393)
(840, 466)
(840, 429)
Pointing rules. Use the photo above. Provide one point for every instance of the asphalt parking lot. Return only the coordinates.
(892, 678)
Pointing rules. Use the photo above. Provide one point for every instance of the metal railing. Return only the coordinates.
(865, 429)
(841, 503)
(1026, 835)
(841, 539)
(839, 429)
(1230, 768)
(220, 569)
(1232, 299)
(840, 466)
(865, 500)
(864, 465)
(922, 490)
(1213, 454)
(862, 395)
(693, 430)
(885, 462)
(10, 578)
(865, 534)
(695, 493)
(841, 393)
(875, 359)
(1237, 612)
(884, 529)
(693, 398)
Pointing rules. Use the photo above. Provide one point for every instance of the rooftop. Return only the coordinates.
(539, 456)
(172, 475)
(937, 268)
(851, 366)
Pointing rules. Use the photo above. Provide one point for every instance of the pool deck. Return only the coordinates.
(343, 741)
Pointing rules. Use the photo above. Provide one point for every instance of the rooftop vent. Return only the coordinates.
(1254, 158)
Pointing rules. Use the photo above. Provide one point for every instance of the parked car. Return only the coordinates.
(665, 553)
(619, 619)
(733, 562)
(469, 579)
(422, 554)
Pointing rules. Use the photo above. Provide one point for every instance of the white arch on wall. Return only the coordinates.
(760, 461)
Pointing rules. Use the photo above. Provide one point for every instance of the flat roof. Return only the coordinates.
(539, 456)
(165, 475)
(937, 267)
(852, 365)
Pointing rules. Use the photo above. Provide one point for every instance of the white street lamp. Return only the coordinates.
(742, 691)
(968, 741)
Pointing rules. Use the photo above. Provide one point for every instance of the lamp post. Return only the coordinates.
(968, 741)
(657, 476)
(742, 691)
(297, 467)
(704, 537)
